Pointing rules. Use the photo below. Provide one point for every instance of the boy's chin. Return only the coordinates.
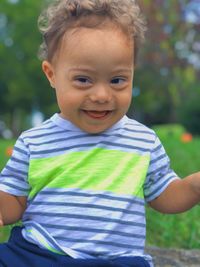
(95, 129)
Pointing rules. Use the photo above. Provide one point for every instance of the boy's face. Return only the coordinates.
(92, 74)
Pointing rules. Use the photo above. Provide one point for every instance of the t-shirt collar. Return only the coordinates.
(67, 125)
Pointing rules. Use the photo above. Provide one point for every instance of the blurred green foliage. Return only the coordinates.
(168, 70)
(23, 86)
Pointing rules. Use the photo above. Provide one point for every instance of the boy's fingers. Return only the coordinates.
(1, 220)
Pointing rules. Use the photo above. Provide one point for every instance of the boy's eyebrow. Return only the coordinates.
(130, 70)
(86, 69)
(81, 69)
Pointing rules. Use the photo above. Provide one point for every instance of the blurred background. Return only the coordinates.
(166, 94)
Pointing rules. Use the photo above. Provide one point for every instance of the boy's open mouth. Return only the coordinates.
(97, 114)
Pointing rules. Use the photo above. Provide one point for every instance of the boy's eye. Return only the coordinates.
(118, 80)
(82, 80)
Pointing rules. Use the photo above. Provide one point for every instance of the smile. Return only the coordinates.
(94, 114)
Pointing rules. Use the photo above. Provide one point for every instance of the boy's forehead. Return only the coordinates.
(83, 46)
(81, 30)
(94, 22)
(80, 35)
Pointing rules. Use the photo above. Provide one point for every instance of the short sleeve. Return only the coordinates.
(14, 177)
(159, 175)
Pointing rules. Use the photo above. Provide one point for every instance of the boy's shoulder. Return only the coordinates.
(47, 126)
(136, 126)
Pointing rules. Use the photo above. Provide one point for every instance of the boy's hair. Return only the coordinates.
(62, 15)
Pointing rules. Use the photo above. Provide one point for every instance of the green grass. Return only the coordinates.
(180, 231)
(184, 156)
(5, 145)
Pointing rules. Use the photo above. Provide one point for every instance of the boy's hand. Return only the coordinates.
(1, 220)
(11, 208)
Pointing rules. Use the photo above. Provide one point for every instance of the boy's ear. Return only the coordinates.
(49, 72)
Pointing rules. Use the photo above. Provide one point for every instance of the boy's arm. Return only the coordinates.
(179, 196)
(11, 208)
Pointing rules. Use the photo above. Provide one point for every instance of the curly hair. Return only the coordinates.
(62, 15)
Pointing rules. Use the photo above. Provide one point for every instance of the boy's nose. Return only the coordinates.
(101, 94)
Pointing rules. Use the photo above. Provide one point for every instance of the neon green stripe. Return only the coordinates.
(98, 169)
(55, 250)
(45, 243)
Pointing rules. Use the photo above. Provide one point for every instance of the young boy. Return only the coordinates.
(80, 181)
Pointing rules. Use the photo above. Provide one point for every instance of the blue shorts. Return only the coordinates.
(17, 252)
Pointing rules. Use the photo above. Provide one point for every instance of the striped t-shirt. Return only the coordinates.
(87, 192)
